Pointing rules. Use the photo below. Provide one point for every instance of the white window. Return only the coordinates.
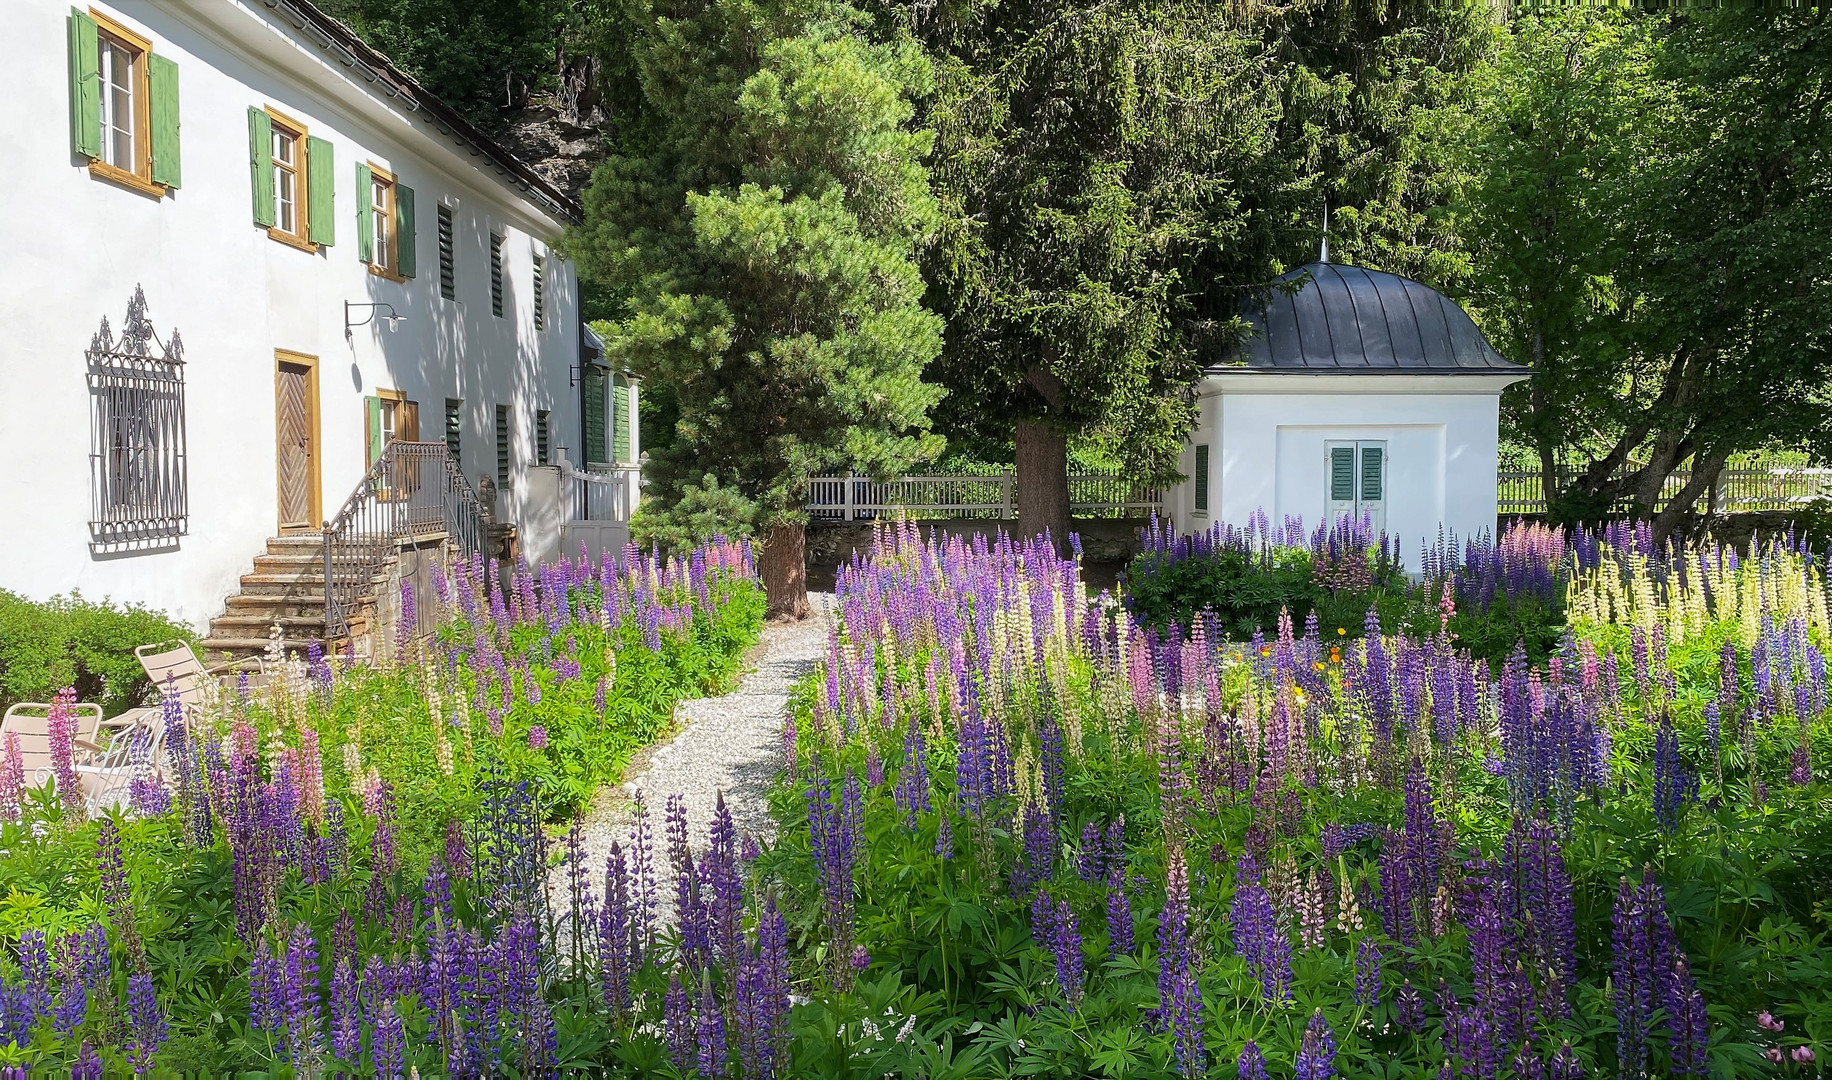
(286, 180)
(381, 208)
(1355, 475)
(119, 84)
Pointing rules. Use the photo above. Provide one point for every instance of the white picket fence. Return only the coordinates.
(991, 495)
(1737, 490)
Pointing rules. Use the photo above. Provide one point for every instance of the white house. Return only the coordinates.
(344, 260)
(1360, 393)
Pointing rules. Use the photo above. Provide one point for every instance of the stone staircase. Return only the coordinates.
(286, 587)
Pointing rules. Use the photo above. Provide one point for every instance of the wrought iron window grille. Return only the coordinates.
(138, 468)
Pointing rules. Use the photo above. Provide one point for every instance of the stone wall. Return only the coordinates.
(1105, 542)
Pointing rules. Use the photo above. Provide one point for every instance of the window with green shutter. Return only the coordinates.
(543, 436)
(123, 105)
(407, 260)
(1342, 473)
(1373, 476)
(496, 274)
(540, 292)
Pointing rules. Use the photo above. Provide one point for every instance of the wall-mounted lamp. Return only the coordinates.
(392, 317)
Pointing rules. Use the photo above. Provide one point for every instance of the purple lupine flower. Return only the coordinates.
(1565, 1065)
(1179, 993)
(147, 1020)
(1317, 1055)
(1689, 1027)
(390, 1044)
(835, 839)
(1632, 981)
(1409, 1008)
(912, 792)
(944, 835)
(88, 1064)
(615, 946)
(725, 904)
(1257, 936)
(537, 737)
(1367, 974)
(346, 1013)
(300, 1006)
(677, 1023)
(1674, 785)
(710, 1034)
(1067, 946)
(1119, 911)
(1251, 1065)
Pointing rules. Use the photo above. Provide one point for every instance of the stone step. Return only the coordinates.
(308, 605)
(262, 622)
(295, 542)
(271, 563)
(247, 645)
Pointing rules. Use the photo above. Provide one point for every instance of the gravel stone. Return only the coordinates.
(731, 744)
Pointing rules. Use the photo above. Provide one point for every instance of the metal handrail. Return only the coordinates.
(414, 489)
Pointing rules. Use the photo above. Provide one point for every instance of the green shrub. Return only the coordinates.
(70, 641)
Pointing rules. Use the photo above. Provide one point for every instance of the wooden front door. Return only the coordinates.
(296, 440)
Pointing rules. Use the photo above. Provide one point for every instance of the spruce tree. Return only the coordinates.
(760, 225)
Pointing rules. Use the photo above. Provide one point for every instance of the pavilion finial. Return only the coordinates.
(1324, 256)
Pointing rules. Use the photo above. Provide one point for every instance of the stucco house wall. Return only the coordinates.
(1268, 436)
(79, 245)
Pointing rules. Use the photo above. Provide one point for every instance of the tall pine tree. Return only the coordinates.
(760, 224)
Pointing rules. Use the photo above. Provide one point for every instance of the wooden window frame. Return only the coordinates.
(140, 178)
(301, 184)
(390, 251)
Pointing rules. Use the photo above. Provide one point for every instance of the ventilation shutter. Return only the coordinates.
(320, 191)
(409, 264)
(162, 80)
(261, 165)
(1202, 478)
(85, 86)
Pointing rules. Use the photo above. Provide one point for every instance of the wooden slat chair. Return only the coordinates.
(107, 778)
(31, 722)
(173, 663)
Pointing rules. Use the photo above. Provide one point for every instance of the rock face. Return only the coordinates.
(564, 134)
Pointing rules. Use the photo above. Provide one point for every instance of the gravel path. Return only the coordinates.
(731, 743)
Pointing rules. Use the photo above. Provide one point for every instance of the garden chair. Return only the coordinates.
(31, 722)
(107, 777)
(173, 663)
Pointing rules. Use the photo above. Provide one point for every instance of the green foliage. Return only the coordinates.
(481, 57)
(762, 239)
(70, 641)
(705, 511)
(1647, 229)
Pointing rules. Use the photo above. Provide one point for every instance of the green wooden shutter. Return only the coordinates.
(261, 164)
(85, 86)
(162, 79)
(1372, 475)
(620, 419)
(373, 407)
(1202, 477)
(365, 226)
(320, 191)
(404, 234)
(595, 390)
(1341, 474)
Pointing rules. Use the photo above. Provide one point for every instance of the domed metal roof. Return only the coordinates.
(1351, 320)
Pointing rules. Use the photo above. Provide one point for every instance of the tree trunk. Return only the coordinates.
(784, 569)
(1042, 457)
(1548, 459)
(1705, 470)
